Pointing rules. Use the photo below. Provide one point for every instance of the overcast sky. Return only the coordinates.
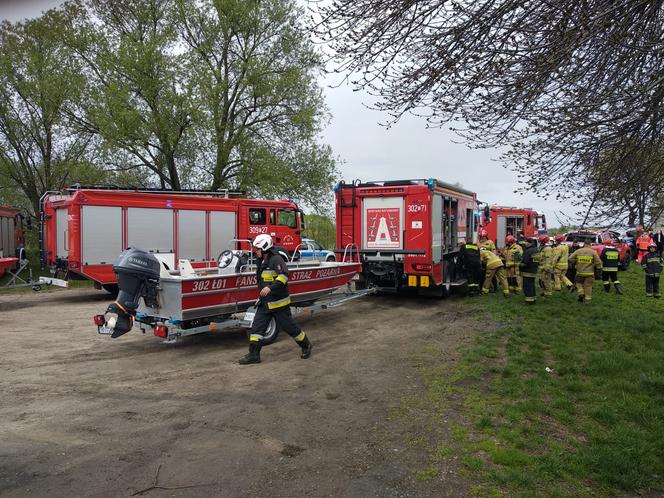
(406, 150)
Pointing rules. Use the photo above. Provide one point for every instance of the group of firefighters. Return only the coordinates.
(526, 263)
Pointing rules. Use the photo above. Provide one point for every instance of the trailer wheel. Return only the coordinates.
(331, 259)
(271, 333)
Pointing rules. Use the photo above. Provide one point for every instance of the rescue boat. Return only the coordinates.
(153, 292)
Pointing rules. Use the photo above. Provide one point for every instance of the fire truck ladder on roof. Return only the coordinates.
(225, 193)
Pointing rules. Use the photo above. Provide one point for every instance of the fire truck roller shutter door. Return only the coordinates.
(61, 227)
(502, 232)
(191, 234)
(101, 234)
(222, 230)
(150, 229)
(437, 228)
(5, 249)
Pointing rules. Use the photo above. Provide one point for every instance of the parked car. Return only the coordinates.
(597, 241)
(628, 235)
(312, 250)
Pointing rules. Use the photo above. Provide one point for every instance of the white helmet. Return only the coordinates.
(263, 242)
(581, 244)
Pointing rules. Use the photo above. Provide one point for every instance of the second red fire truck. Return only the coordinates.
(407, 231)
(501, 221)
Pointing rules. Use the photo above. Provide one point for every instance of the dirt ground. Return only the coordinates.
(85, 415)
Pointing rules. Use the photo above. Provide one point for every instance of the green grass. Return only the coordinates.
(594, 425)
(591, 426)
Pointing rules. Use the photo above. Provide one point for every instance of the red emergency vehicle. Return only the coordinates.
(407, 231)
(501, 221)
(11, 237)
(84, 230)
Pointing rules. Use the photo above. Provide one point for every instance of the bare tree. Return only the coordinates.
(553, 81)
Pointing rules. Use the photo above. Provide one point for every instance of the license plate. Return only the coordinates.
(249, 318)
(104, 330)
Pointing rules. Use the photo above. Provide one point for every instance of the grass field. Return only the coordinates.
(558, 399)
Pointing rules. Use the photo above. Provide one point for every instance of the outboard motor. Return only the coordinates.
(138, 276)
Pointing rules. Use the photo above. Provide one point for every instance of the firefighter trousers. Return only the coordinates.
(284, 321)
(529, 288)
(513, 278)
(609, 277)
(499, 273)
(547, 281)
(584, 287)
(474, 275)
(560, 279)
(652, 285)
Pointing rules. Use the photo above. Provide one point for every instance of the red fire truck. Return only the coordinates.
(407, 231)
(501, 221)
(84, 230)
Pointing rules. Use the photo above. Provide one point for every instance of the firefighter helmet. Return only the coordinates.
(608, 243)
(652, 244)
(560, 238)
(263, 242)
(510, 239)
(543, 238)
(484, 234)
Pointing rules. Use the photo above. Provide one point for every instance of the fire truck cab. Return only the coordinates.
(407, 232)
(84, 230)
(501, 221)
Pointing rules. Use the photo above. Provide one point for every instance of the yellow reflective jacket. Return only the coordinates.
(487, 244)
(561, 256)
(585, 260)
(512, 254)
(490, 259)
(546, 258)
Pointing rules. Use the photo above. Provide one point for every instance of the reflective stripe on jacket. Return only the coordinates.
(610, 259)
(513, 254)
(489, 259)
(585, 260)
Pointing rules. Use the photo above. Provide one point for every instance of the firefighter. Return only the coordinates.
(610, 261)
(546, 264)
(528, 267)
(561, 263)
(486, 242)
(643, 241)
(274, 301)
(494, 267)
(512, 254)
(586, 263)
(652, 264)
(469, 257)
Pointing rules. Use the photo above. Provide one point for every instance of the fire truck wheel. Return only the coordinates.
(271, 333)
(112, 289)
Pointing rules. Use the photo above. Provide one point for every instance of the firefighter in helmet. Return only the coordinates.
(546, 264)
(610, 261)
(486, 242)
(652, 264)
(586, 263)
(494, 267)
(528, 267)
(469, 257)
(512, 254)
(561, 257)
(274, 301)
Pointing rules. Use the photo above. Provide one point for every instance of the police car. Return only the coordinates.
(310, 250)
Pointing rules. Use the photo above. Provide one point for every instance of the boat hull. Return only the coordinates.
(198, 297)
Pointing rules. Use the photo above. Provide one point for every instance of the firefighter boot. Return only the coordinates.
(254, 355)
(607, 286)
(618, 288)
(306, 346)
(581, 298)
